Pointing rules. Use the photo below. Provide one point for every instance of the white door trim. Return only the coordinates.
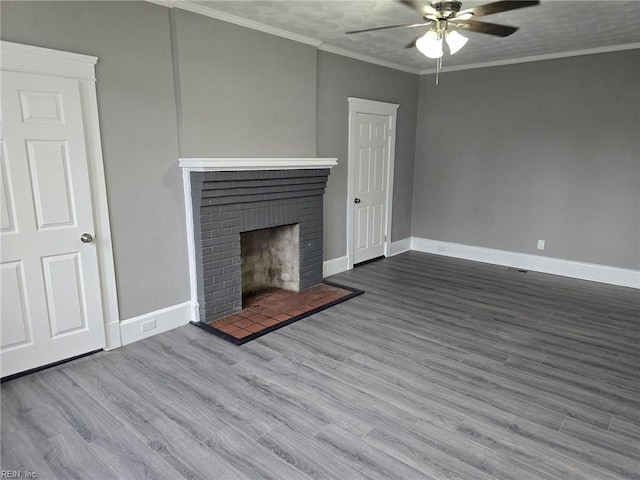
(44, 61)
(360, 105)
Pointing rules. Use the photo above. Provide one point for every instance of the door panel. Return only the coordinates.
(362, 222)
(363, 170)
(378, 170)
(377, 223)
(65, 298)
(51, 302)
(41, 107)
(50, 183)
(7, 210)
(370, 186)
(15, 320)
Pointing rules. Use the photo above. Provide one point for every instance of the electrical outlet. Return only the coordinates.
(540, 244)
(149, 325)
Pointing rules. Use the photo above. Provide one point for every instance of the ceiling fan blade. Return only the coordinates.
(484, 27)
(423, 7)
(497, 7)
(405, 25)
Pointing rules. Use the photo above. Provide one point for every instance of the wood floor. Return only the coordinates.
(443, 369)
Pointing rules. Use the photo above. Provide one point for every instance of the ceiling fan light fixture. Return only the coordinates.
(430, 44)
(455, 41)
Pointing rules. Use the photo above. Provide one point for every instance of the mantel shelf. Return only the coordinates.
(242, 164)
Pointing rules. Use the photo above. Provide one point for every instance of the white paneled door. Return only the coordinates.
(51, 303)
(370, 194)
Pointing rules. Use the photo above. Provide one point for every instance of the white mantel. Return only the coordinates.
(189, 165)
(244, 164)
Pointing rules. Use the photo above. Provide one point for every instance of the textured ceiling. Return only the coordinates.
(553, 27)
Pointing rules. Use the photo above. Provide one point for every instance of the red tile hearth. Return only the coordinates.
(273, 308)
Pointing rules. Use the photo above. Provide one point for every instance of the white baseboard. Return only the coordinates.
(335, 266)
(341, 264)
(400, 246)
(556, 266)
(165, 319)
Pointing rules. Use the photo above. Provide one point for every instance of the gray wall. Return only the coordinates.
(546, 150)
(342, 77)
(138, 126)
(243, 93)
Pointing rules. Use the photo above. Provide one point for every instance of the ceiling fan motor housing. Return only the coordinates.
(445, 9)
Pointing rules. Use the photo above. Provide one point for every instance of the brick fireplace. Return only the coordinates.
(275, 206)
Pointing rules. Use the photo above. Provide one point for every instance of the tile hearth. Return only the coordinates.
(273, 308)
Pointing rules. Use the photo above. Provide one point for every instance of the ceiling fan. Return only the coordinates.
(446, 18)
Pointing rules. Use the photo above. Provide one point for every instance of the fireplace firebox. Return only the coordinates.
(270, 257)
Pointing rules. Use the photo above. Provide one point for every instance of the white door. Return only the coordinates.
(370, 184)
(51, 306)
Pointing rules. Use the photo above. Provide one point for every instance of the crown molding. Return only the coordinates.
(535, 58)
(366, 58)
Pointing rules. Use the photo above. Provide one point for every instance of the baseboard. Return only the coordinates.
(335, 266)
(165, 319)
(341, 264)
(400, 246)
(556, 266)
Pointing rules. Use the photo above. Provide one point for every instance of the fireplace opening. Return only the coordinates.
(270, 258)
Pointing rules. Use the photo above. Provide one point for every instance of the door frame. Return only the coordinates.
(372, 107)
(17, 57)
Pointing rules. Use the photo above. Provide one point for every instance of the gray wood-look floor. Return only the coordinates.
(443, 369)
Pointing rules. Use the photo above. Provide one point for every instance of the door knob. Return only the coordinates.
(86, 238)
(357, 200)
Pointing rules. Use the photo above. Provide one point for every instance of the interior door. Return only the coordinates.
(51, 304)
(371, 168)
